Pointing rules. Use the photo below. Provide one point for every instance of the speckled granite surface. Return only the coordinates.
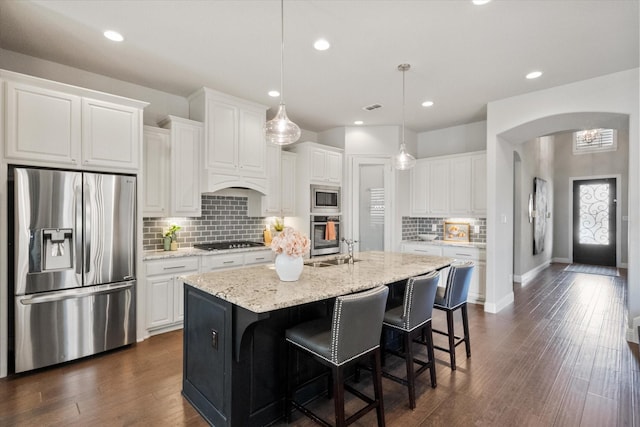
(447, 243)
(258, 288)
(182, 252)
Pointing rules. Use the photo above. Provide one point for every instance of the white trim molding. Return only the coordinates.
(496, 307)
(526, 277)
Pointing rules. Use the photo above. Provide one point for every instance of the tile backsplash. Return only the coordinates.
(223, 218)
(412, 226)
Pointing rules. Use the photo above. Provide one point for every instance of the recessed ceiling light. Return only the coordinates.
(358, 122)
(321, 44)
(113, 36)
(274, 93)
(427, 104)
(534, 75)
(480, 2)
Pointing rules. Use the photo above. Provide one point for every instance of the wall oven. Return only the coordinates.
(325, 200)
(325, 235)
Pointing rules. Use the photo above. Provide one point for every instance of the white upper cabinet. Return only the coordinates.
(479, 184)
(234, 149)
(53, 124)
(110, 134)
(449, 186)
(326, 166)
(419, 194)
(281, 185)
(186, 140)
(156, 155)
(438, 187)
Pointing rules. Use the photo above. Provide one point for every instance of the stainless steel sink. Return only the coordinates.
(329, 262)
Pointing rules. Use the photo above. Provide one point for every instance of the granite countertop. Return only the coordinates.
(448, 243)
(182, 252)
(259, 290)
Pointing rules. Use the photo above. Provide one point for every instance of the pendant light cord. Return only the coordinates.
(403, 73)
(281, 51)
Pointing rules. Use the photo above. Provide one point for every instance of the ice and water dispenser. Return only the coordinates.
(55, 251)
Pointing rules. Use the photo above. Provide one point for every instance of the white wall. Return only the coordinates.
(536, 160)
(453, 140)
(569, 166)
(515, 120)
(161, 104)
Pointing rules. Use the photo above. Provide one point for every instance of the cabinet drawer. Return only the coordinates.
(258, 257)
(171, 266)
(420, 249)
(463, 253)
(222, 261)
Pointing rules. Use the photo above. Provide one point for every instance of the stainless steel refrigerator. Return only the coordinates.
(72, 264)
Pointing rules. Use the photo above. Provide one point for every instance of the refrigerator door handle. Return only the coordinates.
(87, 193)
(78, 238)
(72, 294)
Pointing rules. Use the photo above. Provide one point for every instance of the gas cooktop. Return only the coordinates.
(216, 246)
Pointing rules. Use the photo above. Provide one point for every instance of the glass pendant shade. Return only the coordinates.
(403, 160)
(280, 130)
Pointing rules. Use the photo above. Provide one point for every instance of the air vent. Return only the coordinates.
(372, 107)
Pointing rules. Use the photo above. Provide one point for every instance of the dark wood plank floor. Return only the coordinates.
(557, 357)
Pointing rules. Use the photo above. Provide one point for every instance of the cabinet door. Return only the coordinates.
(221, 149)
(288, 188)
(160, 301)
(251, 143)
(419, 188)
(110, 135)
(185, 169)
(271, 202)
(42, 125)
(155, 189)
(178, 299)
(479, 184)
(318, 164)
(333, 167)
(439, 187)
(460, 191)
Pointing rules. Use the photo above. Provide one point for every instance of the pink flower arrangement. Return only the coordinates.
(290, 242)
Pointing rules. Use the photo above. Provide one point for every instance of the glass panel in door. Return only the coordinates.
(594, 225)
(371, 207)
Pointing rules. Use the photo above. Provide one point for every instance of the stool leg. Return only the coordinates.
(465, 325)
(338, 395)
(383, 346)
(288, 407)
(408, 358)
(427, 332)
(452, 342)
(377, 386)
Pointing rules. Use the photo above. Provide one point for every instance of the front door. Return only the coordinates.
(594, 221)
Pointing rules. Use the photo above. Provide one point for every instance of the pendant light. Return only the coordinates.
(403, 160)
(280, 130)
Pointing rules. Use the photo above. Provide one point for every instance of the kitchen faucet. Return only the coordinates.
(350, 243)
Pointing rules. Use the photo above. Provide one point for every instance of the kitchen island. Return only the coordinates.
(234, 365)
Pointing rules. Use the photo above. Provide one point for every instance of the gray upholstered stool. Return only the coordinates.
(450, 298)
(352, 333)
(413, 319)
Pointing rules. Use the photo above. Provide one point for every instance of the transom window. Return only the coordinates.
(595, 140)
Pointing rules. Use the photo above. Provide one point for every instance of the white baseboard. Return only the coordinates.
(561, 260)
(526, 277)
(623, 265)
(496, 307)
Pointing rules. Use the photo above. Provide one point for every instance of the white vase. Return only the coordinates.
(289, 268)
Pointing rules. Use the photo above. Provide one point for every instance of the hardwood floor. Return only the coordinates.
(556, 357)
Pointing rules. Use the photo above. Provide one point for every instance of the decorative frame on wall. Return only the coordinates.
(540, 200)
(456, 231)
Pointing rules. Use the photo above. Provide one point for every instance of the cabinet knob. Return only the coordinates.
(74, 160)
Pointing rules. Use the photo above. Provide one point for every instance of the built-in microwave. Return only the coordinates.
(325, 199)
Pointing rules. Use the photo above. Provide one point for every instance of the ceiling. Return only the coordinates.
(462, 56)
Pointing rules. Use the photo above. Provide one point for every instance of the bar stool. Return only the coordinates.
(352, 333)
(450, 298)
(411, 319)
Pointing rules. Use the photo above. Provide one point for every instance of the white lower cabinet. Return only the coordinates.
(477, 287)
(165, 307)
